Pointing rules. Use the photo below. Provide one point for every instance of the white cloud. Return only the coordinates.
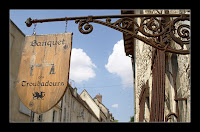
(81, 66)
(115, 106)
(120, 64)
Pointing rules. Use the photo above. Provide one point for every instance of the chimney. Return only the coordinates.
(99, 97)
(75, 92)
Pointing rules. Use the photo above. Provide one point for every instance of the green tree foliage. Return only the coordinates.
(132, 119)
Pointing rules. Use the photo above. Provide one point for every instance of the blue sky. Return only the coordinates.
(102, 56)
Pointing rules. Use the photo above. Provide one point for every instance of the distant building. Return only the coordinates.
(104, 112)
(74, 108)
(70, 109)
(96, 105)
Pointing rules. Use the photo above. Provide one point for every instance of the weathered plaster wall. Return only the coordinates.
(16, 44)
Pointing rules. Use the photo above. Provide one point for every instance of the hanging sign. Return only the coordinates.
(44, 70)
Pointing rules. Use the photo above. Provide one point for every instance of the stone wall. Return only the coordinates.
(143, 75)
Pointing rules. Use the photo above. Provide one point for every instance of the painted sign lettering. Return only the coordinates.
(47, 43)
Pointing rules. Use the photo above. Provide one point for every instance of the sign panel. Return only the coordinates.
(44, 70)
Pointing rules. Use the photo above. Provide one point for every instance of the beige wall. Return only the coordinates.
(16, 43)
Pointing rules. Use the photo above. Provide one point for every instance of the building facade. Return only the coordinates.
(18, 112)
(174, 81)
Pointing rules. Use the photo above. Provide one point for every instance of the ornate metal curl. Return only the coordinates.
(88, 27)
(183, 31)
(150, 27)
(167, 117)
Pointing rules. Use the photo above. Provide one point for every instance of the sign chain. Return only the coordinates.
(34, 33)
(66, 25)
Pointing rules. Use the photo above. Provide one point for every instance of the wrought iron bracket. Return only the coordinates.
(152, 29)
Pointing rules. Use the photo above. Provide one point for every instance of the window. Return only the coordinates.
(74, 105)
(54, 116)
(40, 118)
(83, 114)
(64, 114)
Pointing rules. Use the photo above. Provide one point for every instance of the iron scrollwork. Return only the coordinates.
(167, 117)
(151, 28)
(182, 30)
(88, 27)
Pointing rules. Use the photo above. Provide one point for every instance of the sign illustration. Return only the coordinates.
(44, 70)
(38, 95)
